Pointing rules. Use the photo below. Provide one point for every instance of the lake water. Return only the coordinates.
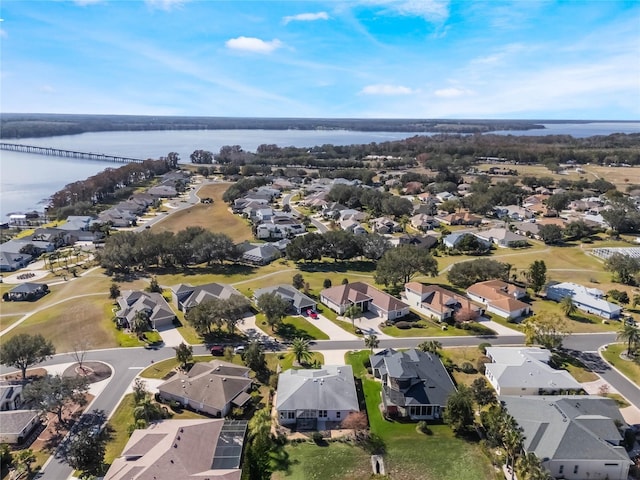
(27, 180)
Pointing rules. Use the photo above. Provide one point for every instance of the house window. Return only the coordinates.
(291, 415)
(337, 414)
(561, 469)
(322, 413)
(575, 469)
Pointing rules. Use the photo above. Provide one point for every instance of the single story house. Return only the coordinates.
(213, 388)
(316, 399)
(368, 298)
(588, 300)
(298, 300)
(437, 302)
(258, 253)
(415, 384)
(420, 241)
(422, 221)
(11, 261)
(10, 397)
(502, 237)
(27, 292)
(575, 437)
(526, 371)
(186, 296)
(453, 240)
(151, 304)
(500, 298)
(465, 218)
(195, 449)
(17, 425)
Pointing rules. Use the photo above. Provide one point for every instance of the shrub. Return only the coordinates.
(403, 325)
(483, 347)
(316, 437)
(467, 367)
(366, 362)
(423, 427)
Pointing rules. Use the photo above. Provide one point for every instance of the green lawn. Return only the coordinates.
(411, 455)
(292, 327)
(629, 368)
(303, 462)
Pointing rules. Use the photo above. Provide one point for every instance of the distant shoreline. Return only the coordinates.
(32, 125)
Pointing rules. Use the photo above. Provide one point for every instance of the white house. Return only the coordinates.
(525, 371)
(588, 300)
(316, 399)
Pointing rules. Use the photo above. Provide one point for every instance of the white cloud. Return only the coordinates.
(166, 5)
(306, 17)
(451, 92)
(383, 89)
(430, 10)
(251, 44)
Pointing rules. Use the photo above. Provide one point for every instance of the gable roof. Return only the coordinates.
(499, 294)
(441, 300)
(182, 449)
(330, 388)
(134, 301)
(582, 295)
(190, 296)
(358, 292)
(288, 293)
(568, 427)
(27, 287)
(215, 384)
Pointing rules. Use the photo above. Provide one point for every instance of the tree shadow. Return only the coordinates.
(280, 460)
(289, 332)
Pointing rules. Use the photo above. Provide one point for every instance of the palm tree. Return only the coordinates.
(567, 305)
(147, 410)
(635, 300)
(300, 347)
(529, 467)
(371, 341)
(629, 333)
(430, 346)
(512, 442)
(352, 312)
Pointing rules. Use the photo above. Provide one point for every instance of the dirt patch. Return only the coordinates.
(32, 373)
(93, 371)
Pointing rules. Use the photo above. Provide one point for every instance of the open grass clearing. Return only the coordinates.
(215, 216)
(8, 320)
(411, 455)
(307, 461)
(629, 368)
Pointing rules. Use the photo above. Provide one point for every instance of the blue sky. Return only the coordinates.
(368, 59)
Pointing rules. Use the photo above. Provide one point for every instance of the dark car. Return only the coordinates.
(217, 350)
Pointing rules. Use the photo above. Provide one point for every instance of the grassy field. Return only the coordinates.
(215, 216)
(629, 368)
(7, 320)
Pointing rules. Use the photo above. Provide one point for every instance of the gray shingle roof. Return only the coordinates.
(330, 388)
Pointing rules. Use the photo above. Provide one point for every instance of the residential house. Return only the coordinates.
(590, 300)
(415, 384)
(239, 204)
(10, 396)
(259, 253)
(464, 218)
(575, 437)
(162, 191)
(500, 298)
(444, 196)
(186, 296)
(213, 388)
(352, 214)
(503, 237)
(197, 449)
(10, 261)
(368, 298)
(352, 226)
(420, 241)
(27, 292)
(453, 239)
(513, 212)
(526, 371)
(332, 210)
(298, 301)
(424, 222)
(316, 399)
(17, 425)
(151, 304)
(77, 222)
(437, 302)
(385, 225)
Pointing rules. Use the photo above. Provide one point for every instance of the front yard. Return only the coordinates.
(630, 368)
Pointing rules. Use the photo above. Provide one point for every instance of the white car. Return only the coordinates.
(239, 350)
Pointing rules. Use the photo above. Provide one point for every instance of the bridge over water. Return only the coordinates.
(57, 152)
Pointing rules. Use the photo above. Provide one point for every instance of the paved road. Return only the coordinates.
(322, 228)
(128, 362)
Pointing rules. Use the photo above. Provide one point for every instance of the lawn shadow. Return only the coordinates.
(365, 266)
(289, 332)
(280, 460)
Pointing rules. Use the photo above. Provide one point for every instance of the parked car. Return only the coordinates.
(312, 314)
(217, 350)
(239, 350)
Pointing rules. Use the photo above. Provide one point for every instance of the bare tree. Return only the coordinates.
(79, 352)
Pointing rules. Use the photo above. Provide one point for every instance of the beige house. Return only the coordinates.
(182, 450)
(437, 302)
(213, 388)
(500, 298)
(368, 298)
(17, 425)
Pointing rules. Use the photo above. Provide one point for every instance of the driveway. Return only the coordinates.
(331, 329)
(498, 328)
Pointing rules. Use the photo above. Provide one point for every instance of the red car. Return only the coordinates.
(312, 314)
(217, 350)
